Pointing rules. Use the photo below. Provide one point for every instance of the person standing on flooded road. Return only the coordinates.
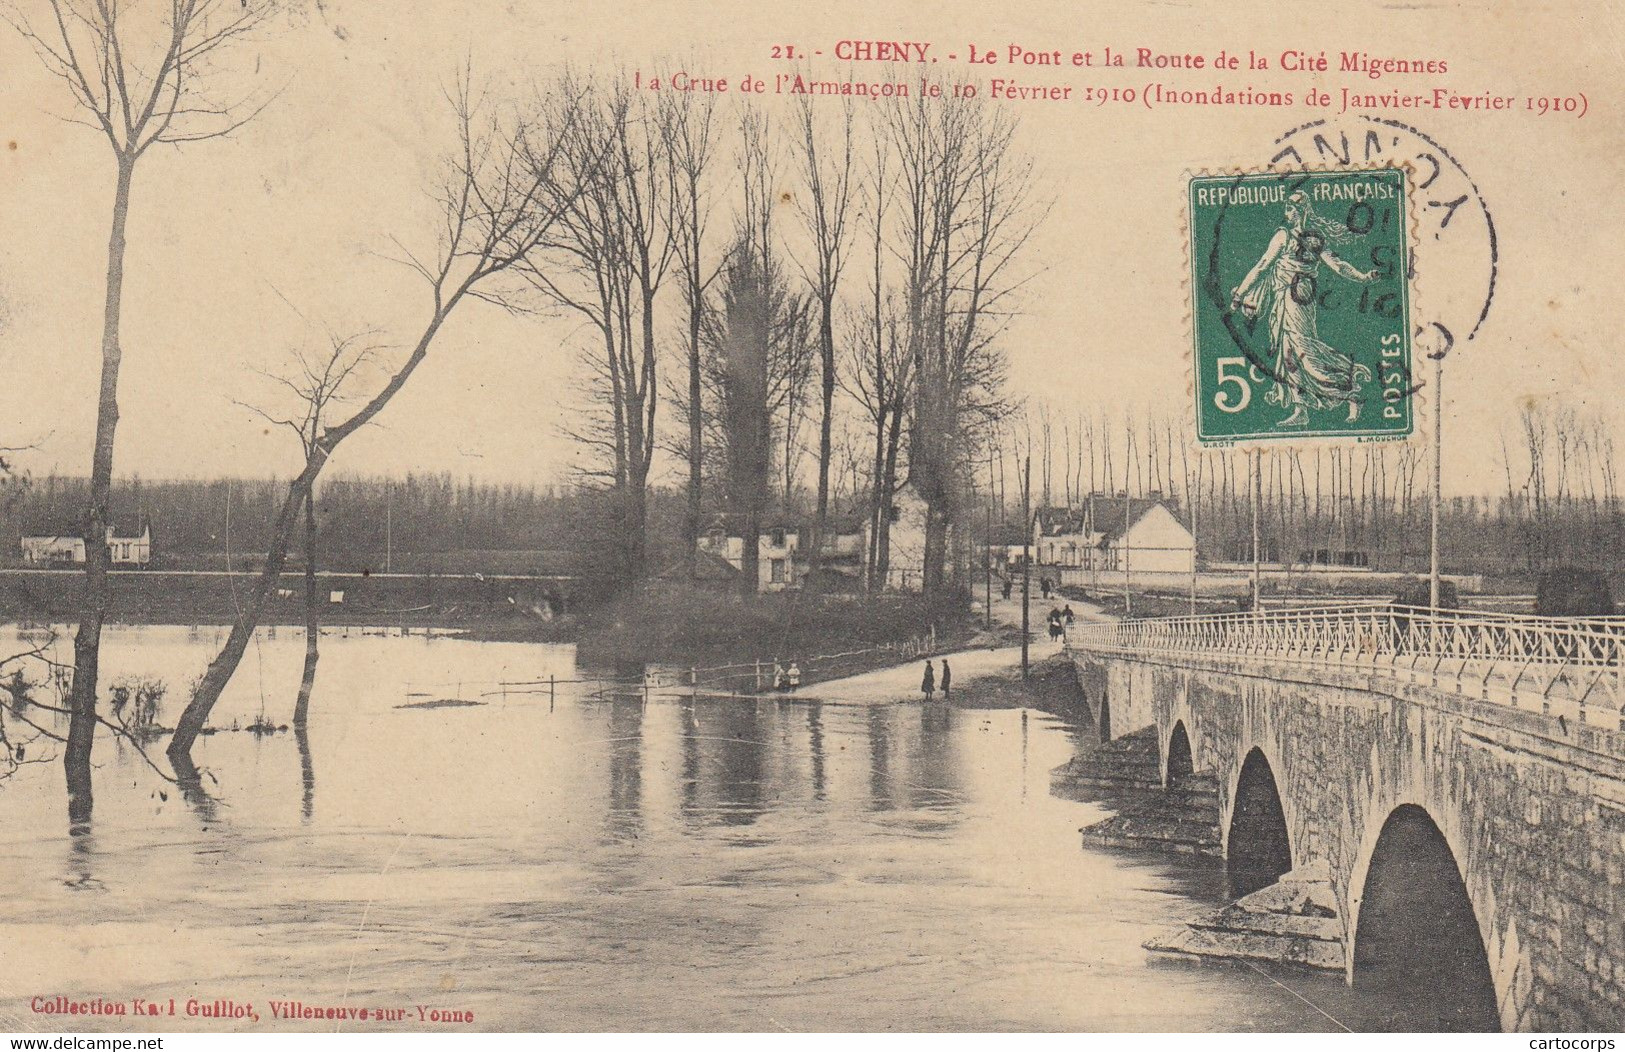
(928, 682)
(947, 679)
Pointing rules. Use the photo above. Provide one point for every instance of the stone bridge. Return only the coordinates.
(1455, 784)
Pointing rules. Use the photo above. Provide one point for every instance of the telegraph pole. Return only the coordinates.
(1438, 478)
(987, 544)
(1026, 554)
(1258, 499)
(1194, 501)
(389, 525)
(1128, 595)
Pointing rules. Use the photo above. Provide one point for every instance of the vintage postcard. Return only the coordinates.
(726, 517)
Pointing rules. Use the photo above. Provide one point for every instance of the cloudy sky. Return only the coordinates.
(243, 250)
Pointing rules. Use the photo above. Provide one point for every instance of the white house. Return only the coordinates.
(906, 552)
(781, 561)
(1105, 529)
(53, 550)
(128, 549)
(1062, 537)
(1154, 542)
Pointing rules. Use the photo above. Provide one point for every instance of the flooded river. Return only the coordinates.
(576, 863)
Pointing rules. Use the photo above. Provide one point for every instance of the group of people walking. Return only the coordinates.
(1058, 620)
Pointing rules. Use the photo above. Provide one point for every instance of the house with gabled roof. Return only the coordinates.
(1105, 530)
(128, 547)
(783, 559)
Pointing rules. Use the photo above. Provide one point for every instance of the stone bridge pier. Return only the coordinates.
(1475, 851)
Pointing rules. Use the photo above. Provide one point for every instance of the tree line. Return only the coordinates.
(1364, 505)
(204, 524)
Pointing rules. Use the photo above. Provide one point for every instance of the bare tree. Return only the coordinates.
(879, 373)
(141, 76)
(687, 122)
(829, 187)
(607, 257)
(757, 342)
(315, 384)
(966, 212)
(501, 197)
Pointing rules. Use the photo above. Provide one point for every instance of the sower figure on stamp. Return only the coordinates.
(1281, 289)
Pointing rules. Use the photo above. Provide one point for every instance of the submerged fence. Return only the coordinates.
(1569, 667)
(754, 677)
(665, 680)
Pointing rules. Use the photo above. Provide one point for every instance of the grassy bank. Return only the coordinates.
(499, 606)
(695, 627)
(1052, 687)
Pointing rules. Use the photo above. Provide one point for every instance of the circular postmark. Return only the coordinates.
(1456, 253)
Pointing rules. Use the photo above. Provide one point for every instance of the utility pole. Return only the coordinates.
(1128, 597)
(1026, 554)
(1438, 478)
(1193, 501)
(389, 523)
(1258, 500)
(987, 544)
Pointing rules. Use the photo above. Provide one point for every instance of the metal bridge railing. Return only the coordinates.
(1570, 667)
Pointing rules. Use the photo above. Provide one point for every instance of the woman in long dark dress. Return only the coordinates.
(1308, 372)
(928, 683)
(947, 679)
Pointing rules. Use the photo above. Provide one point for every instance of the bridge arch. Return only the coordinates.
(1416, 932)
(1178, 761)
(1103, 716)
(1258, 846)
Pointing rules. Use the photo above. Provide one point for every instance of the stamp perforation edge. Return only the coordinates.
(1416, 395)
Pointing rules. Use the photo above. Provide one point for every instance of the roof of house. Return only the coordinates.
(1056, 520)
(1112, 521)
(125, 531)
(1005, 533)
(706, 566)
(840, 524)
(1106, 512)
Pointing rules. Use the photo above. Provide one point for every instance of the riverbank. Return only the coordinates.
(506, 607)
(1051, 686)
(732, 642)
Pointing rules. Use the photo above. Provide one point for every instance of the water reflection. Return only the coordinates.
(724, 756)
(81, 875)
(589, 860)
(815, 745)
(625, 767)
(880, 761)
(307, 772)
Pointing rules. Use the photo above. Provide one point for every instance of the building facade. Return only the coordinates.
(782, 561)
(1108, 532)
(131, 549)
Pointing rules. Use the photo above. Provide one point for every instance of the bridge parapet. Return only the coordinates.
(1566, 667)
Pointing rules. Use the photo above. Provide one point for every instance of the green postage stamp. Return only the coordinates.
(1302, 305)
